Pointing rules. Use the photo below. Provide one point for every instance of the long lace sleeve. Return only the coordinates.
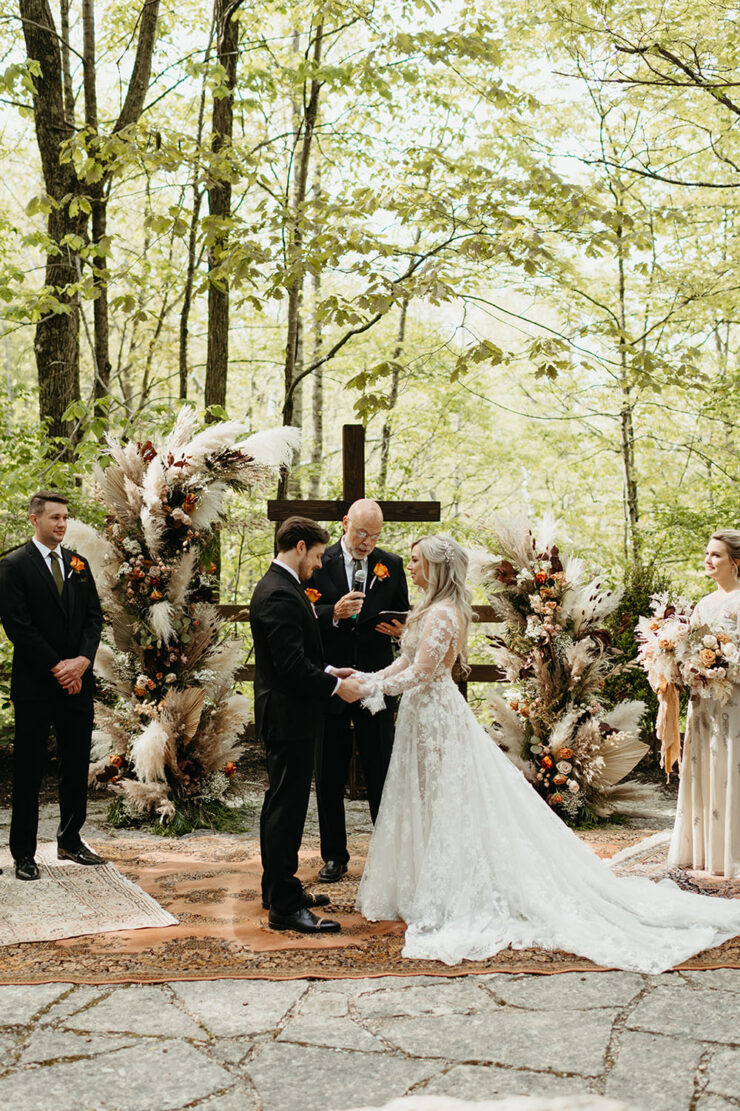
(437, 637)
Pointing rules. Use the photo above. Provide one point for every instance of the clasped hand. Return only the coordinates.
(68, 673)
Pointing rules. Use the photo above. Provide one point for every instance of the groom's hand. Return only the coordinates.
(68, 673)
(350, 689)
(340, 672)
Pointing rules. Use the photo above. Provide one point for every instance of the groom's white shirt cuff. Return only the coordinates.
(290, 571)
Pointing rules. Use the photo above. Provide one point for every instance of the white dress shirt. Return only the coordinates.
(46, 553)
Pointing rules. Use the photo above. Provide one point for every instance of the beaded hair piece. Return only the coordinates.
(448, 552)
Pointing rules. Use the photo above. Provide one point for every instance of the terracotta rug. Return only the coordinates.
(211, 885)
(70, 900)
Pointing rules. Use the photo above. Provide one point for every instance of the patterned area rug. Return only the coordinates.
(70, 900)
(211, 885)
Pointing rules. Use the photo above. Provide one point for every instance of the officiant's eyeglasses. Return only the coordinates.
(363, 535)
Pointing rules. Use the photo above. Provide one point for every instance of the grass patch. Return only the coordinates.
(214, 815)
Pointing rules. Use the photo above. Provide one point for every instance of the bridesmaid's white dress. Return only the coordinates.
(469, 856)
(706, 835)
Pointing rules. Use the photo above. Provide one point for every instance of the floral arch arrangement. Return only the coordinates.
(556, 654)
(168, 724)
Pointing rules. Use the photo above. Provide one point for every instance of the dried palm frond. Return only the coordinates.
(204, 633)
(620, 752)
(515, 540)
(182, 712)
(148, 753)
(506, 726)
(122, 631)
(111, 484)
(135, 495)
(128, 457)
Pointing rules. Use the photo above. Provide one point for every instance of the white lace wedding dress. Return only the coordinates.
(707, 830)
(469, 856)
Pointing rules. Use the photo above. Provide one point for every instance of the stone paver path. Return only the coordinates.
(659, 1043)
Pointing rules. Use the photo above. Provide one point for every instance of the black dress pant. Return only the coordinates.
(289, 770)
(374, 735)
(71, 716)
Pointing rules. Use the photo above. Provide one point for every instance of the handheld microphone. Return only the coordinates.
(358, 582)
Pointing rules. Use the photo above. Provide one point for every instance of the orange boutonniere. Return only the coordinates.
(77, 565)
(381, 571)
(312, 595)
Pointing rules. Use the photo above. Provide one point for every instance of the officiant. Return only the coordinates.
(358, 585)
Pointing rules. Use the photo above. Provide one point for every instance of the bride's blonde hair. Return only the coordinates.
(447, 567)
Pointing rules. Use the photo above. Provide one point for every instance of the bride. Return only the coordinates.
(465, 851)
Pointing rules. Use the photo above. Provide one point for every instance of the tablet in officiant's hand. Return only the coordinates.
(391, 615)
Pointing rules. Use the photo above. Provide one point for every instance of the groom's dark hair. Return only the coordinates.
(294, 529)
(39, 500)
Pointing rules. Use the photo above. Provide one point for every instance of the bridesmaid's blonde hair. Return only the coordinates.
(447, 566)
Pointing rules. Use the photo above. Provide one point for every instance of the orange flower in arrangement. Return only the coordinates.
(547, 762)
(77, 565)
(559, 780)
(313, 595)
(723, 638)
(229, 769)
(116, 761)
(156, 595)
(708, 657)
(190, 502)
(540, 578)
(555, 800)
(381, 571)
(565, 753)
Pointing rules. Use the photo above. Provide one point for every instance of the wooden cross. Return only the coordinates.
(353, 488)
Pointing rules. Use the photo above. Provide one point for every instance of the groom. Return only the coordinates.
(292, 689)
(50, 610)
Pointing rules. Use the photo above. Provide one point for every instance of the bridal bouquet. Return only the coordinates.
(556, 654)
(712, 663)
(169, 725)
(664, 648)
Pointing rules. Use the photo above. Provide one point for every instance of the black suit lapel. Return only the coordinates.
(335, 567)
(39, 563)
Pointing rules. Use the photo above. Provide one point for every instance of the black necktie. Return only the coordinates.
(56, 570)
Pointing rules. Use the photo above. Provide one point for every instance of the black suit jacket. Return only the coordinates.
(355, 643)
(44, 626)
(291, 688)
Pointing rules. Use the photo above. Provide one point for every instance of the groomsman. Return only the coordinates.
(292, 689)
(50, 611)
(356, 582)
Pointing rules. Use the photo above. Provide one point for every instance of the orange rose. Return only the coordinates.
(381, 571)
(313, 595)
(546, 761)
(708, 657)
(555, 800)
(116, 761)
(76, 564)
(540, 577)
(230, 769)
(559, 780)
(565, 753)
(156, 595)
(723, 638)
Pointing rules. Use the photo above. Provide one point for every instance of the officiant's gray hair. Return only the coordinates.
(730, 537)
(447, 567)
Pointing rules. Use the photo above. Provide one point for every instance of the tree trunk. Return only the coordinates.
(317, 396)
(219, 205)
(385, 439)
(56, 343)
(626, 425)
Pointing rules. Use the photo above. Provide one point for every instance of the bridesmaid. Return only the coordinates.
(706, 835)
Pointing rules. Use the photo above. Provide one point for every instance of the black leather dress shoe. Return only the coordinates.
(26, 869)
(332, 871)
(83, 855)
(310, 901)
(303, 921)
